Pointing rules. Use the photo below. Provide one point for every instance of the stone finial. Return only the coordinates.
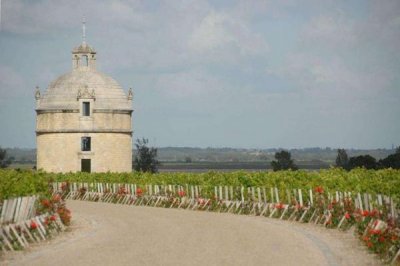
(37, 93)
(130, 94)
(84, 31)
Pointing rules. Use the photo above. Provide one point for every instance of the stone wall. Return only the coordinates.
(59, 121)
(61, 152)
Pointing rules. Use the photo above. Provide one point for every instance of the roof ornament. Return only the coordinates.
(130, 94)
(37, 93)
(84, 31)
(86, 93)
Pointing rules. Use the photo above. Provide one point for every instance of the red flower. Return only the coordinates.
(279, 206)
(46, 203)
(347, 215)
(139, 191)
(381, 239)
(319, 189)
(370, 244)
(34, 225)
(375, 232)
(365, 213)
(56, 198)
(374, 213)
(122, 190)
(53, 218)
(181, 193)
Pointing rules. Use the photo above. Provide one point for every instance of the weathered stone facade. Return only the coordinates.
(83, 120)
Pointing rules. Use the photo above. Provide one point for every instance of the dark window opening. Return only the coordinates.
(86, 108)
(85, 144)
(86, 165)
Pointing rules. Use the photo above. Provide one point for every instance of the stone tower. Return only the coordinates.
(83, 120)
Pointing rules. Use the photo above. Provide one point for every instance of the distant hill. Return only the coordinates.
(189, 154)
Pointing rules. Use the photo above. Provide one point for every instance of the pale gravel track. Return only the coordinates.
(109, 234)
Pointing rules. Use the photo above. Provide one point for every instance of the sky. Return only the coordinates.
(242, 74)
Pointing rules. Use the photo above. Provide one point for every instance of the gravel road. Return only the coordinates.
(109, 234)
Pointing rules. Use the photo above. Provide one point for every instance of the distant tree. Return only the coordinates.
(188, 159)
(391, 161)
(366, 161)
(4, 160)
(283, 161)
(145, 158)
(342, 160)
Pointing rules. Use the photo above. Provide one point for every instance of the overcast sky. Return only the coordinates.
(251, 74)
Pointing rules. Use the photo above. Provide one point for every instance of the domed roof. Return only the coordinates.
(63, 93)
(83, 48)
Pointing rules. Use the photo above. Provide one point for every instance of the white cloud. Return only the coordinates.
(221, 37)
(189, 85)
(334, 31)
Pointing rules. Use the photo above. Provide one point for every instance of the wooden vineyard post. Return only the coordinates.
(272, 195)
(310, 204)
(366, 205)
(360, 202)
(277, 195)
(300, 197)
(264, 195)
(289, 198)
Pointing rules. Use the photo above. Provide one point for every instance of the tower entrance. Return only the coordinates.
(86, 165)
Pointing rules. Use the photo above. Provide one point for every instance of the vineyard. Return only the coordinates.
(365, 200)
(20, 183)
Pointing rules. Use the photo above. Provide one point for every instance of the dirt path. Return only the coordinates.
(108, 234)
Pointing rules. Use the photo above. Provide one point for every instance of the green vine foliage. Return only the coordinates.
(27, 182)
(15, 183)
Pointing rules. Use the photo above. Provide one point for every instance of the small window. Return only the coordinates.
(86, 165)
(86, 108)
(85, 144)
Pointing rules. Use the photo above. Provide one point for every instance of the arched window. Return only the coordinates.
(84, 60)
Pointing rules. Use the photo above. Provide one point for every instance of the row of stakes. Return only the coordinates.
(225, 199)
(17, 233)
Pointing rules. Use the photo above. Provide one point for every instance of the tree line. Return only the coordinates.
(145, 159)
(283, 161)
(367, 161)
